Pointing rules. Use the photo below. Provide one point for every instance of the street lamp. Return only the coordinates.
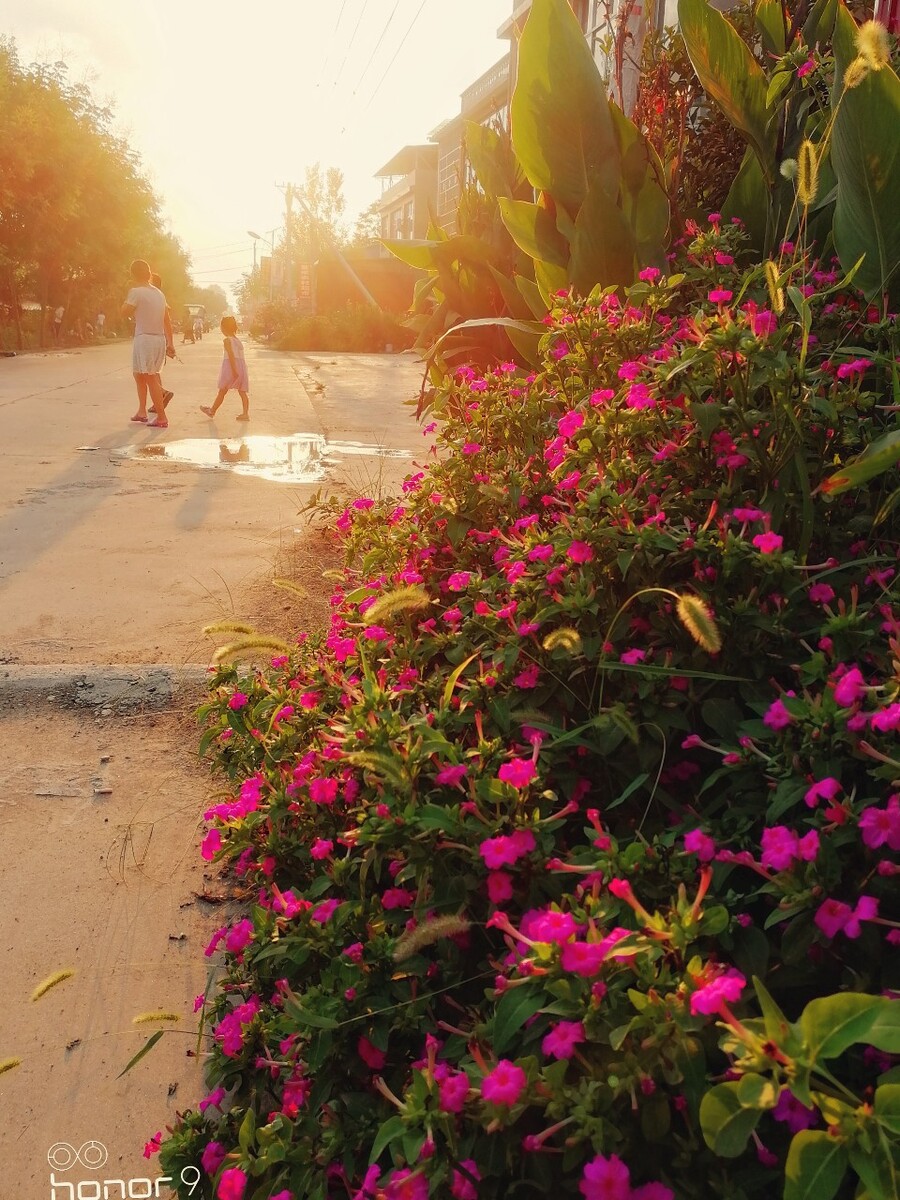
(270, 239)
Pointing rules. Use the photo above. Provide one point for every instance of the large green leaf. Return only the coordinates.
(865, 152)
(484, 147)
(829, 1025)
(749, 198)
(887, 1106)
(561, 127)
(879, 456)
(604, 246)
(725, 1122)
(815, 1166)
(643, 198)
(533, 229)
(730, 75)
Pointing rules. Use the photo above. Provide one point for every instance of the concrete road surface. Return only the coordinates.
(107, 558)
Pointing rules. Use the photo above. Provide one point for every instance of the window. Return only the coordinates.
(408, 224)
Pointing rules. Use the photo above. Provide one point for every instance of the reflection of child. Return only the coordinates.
(233, 372)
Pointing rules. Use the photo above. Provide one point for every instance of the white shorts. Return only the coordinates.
(148, 353)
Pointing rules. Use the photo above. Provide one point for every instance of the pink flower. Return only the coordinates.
(768, 543)
(720, 296)
(886, 720)
(792, 1113)
(354, 952)
(152, 1147)
(232, 1184)
(606, 1179)
(471, 448)
(825, 789)
(580, 552)
(821, 593)
(371, 1055)
(881, 826)
(397, 898)
(452, 1091)
(777, 716)
(527, 678)
(213, 1100)
(212, 1157)
(504, 851)
(211, 845)
(639, 396)
(459, 581)
(834, 917)
(570, 424)
(406, 1185)
(237, 701)
(321, 848)
(779, 848)
(552, 926)
(633, 657)
(586, 958)
(649, 274)
(452, 774)
(724, 989)
(518, 772)
(462, 1187)
(850, 688)
(323, 912)
(499, 887)
(505, 1084)
(699, 843)
(561, 1041)
(323, 791)
(239, 936)
(602, 396)
(804, 69)
(376, 633)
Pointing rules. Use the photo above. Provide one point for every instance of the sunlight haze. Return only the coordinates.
(224, 101)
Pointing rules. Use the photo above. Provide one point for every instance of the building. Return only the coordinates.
(408, 192)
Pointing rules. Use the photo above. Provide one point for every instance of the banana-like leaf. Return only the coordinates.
(531, 293)
(819, 25)
(516, 303)
(730, 75)
(769, 18)
(865, 153)
(484, 147)
(562, 131)
(749, 198)
(419, 254)
(644, 200)
(878, 457)
(533, 229)
(604, 247)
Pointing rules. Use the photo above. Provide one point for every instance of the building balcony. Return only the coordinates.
(395, 192)
(492, 84)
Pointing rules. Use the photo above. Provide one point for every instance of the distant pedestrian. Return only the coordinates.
(187, 327)
(233, 372)
(57, 322)
(147, 305)
(99, 323)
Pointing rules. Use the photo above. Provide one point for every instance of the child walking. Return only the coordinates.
(233, 372)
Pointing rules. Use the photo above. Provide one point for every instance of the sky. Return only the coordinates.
(224, 100)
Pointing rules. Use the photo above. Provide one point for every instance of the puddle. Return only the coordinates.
(297, 458)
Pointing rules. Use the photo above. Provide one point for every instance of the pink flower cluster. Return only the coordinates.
(610, 1179)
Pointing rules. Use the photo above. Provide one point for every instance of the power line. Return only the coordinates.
(362, 13)
(396, 53)
(327, 57)
(377, 44)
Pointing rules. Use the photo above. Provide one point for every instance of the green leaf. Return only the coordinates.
(533, 229)
(531, 294)
(778, 1027)
(730, 75)
(755, 1091)
(819, 25)
(637, 782)
(392, 1128)
(513, 1010)
(604, 247)
(145, 1049)
(876, 1170)
(879, 456)
(887, 1106)
(247, 1132)
(749, 198)
(769, 17)
(484, 147)
(865, 153)
(562, 131)
(829, 1025)
(815, 1166)
(726, 1124)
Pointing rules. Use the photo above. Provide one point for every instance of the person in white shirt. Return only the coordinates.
(57, 322)
(151, 345)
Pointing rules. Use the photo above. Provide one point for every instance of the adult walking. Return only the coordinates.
(147, 305)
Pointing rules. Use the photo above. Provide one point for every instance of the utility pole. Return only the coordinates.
(288, 189)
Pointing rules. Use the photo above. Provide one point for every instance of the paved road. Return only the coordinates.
(106, 559)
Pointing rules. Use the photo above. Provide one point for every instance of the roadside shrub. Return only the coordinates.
(571, 844)
(358, 328)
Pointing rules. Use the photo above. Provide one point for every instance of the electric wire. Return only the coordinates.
(362, 13)
(375, 48)
(396, 53)
(327, 57)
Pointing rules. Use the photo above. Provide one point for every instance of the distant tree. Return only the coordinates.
(318, 213)
(367, 229)
(213, 298)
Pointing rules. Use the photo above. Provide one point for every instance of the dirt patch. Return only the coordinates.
(99, 828)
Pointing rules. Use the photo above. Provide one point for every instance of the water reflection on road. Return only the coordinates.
(297, 458)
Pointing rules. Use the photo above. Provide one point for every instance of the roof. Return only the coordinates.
(407, 160)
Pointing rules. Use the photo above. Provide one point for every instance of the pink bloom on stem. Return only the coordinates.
(237, 701)
(452, 1092)
(503, 851)
(850, 688)
(321, 848)
(211, 845)
(886, 720)
(239, 936)
(777, 716)
(552, 926)
(505, 1084)
(152, 1147)
(452, 773)
(779, 848)
(768, 543)
(821, 593)
(602, 396)
(606, 1179)
(792, 1113)
(881, 826)
(232, 1184)
(471, 447)
(700, 843)
(459, 581)
(371, 1055)
(213, 1100)
(639, 396)
(212, 1157)
(406, 1185)
(519, 772)
(499, 887)
(528, 678)
(462, 1186)
(834, 917)
(649, 274)
(724, 989)
(323, 912)
(720, 296)
(562, 1039)
(570, 424)
(323, 791)
(804, 69)
(580, 552)
(824, 789)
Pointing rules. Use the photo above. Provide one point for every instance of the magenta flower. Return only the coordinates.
(321, 848)
(452, 1091)
(570, 424)
(821, 593)
(518, 772)
(553, 926)
(459, 581)
(152, 1147)
(834, 917)
(699, 843)
(825, 789)
(562, 1039)
(881, 826)
(239, 936)
(371, 1055)
(323, 791)
(237, 701)
(777, 716)
(323, 912)
(792, 1113)
(452, 774)
(779, 848)
(606, 1179)
(211, 845)
(376, 633)
(720, 296)
(886, 720)
(503, 851)
(804, 69)
(585, 958)
(471, 448)
(406, 1185)
(580, 552)
(212, 1157)
(602, 396)
(639, 396)
(850, 688)
(768, 543)
(232, 1184)
(724, 989)
(213, 1100)
(505, 1084)
(462, 1186)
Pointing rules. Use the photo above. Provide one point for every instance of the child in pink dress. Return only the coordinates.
(233, 372)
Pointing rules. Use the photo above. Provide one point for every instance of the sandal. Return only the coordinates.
(140, 420)
(157, 424)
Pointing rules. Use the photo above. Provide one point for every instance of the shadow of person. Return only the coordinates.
(241, 455)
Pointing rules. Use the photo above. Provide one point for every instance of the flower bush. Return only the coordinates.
(570, 846)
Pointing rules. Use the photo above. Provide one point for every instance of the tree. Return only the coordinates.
(317, 214)
(367, 229)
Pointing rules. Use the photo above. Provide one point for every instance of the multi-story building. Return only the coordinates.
(408, 192)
